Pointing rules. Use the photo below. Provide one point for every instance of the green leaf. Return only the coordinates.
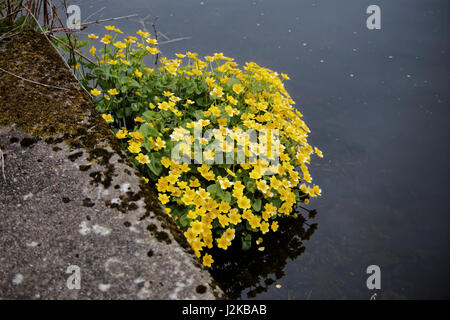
(184, 220)
(148, 131)
(225, 196)
(133, 83)
(257, 204)
(203, 102)
(246, 241)
(250, 184)
(155, 164)
(212, 189)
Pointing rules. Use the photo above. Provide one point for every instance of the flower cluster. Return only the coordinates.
(155, 111)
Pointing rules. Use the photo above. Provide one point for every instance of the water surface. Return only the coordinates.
(377, 104)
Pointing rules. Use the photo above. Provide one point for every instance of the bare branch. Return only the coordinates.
(110, 19)
(74, 50)
(98, 11)
(174, 40)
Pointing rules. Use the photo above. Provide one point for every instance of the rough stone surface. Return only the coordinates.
(70, 197)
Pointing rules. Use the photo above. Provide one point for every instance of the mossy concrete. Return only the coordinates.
(72, 197)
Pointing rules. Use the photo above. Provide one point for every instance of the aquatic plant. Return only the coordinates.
(216, 189)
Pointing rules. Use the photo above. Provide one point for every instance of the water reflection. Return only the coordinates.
(253, 272)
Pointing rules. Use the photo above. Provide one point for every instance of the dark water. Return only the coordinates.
(377, 105)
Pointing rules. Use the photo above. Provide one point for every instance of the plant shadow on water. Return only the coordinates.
(255, 271)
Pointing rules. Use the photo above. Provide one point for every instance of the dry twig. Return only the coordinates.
(31, 81)
(2, 158)
(74, 50)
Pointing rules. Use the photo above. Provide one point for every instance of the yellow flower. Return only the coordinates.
(207, 260)
(151, 50)
(113, 92)
(137, 135)
(223, 220)
(224, 207)
(222, 122)
(139, 119)
(138, 73)
(274, 226)
(110, 28)
(244, 202)
(318, 152)
(108, 118)
(166, 162)
(122, 134)
(229, 234)
(158, 144)
(134, 147)
(254, 221)
(106, 39)
(130, 39)
(224, 183)
(143, 34)
(163, 198)
(92, 36)
(223, 243)
(197, 227)
(262, 186)
(120, 45)
(285, 76)
(151, 41)
(231, 173)
(142, 158)
(194, 183)
(92, 50)
(264, 227)
(190, 236)
(238, 88)
(95, 92)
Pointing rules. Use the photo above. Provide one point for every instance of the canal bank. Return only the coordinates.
(78, 221)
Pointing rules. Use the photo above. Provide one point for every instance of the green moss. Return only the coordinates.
(33, 108)
(66, 116)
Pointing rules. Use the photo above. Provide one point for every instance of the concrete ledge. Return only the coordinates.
(71, 196)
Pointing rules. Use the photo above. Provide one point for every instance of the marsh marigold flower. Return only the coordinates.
(213, 205)
(95, 92)
(113, 92)
(207, 260)
(108, 118)
(142, 158)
